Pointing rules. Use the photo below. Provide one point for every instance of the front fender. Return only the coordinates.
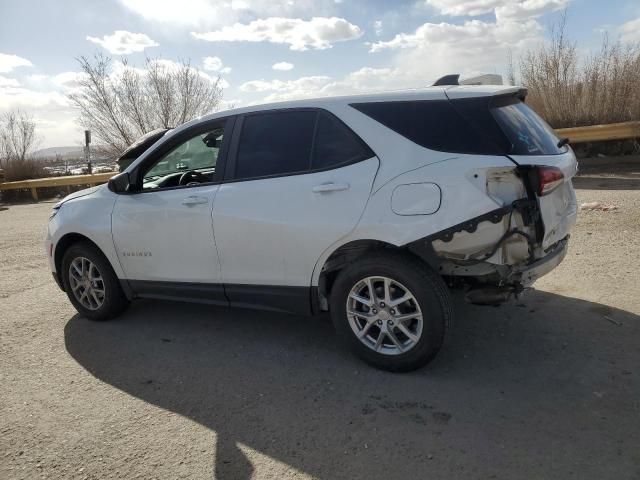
(87, 216)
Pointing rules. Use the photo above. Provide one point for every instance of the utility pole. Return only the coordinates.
(87, 150)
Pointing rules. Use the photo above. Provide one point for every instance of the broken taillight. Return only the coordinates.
(549, 178)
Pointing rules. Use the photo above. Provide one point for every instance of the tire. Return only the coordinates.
(103, 306)
(430, 303)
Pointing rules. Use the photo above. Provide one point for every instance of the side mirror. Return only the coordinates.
(119, 183)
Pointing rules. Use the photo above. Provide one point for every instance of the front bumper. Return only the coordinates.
(533, 271)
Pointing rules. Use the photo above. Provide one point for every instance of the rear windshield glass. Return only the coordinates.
(525, 130)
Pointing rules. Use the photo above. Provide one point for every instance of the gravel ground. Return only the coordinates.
(548, 387)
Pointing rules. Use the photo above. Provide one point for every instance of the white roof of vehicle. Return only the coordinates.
(428, 93)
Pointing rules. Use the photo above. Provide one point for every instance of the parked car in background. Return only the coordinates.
(369, 207)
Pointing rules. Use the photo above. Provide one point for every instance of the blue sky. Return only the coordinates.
(318, 47)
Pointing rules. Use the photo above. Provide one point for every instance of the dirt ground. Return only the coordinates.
(547, 387)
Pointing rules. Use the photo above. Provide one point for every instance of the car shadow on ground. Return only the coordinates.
(545, 388)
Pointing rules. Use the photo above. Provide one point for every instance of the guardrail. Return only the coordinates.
(598, 133)
(36, 183)
(595, 133)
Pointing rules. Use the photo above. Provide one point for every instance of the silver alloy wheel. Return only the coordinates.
(86, 283)
(384, 315)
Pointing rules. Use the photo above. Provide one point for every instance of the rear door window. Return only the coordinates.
(527, 132)
(275, 143)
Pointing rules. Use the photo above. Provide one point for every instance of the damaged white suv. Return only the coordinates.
(369, 207)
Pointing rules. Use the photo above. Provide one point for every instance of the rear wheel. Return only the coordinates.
(391, 310)
(91, 284)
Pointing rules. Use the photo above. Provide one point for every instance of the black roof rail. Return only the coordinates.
(447, 80)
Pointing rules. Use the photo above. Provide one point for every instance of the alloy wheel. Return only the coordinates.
(384, 315)
(86, 283)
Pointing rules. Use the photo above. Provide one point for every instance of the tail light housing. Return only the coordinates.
(549, 178)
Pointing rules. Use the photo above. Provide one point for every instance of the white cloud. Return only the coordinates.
(518, 10)
(502, 8)
(9, 62)
(222, 12)
(8, 82)
(123, 42)
(298, 88)
(377, 27)
(471, 38)
(630, 31)
(214, 64)
(318, 33)
(282, 66)
(465, 7)
(364, 80)
(68, 80)
(471, 47)
(240, 5)
(185, 12)
(37, 77)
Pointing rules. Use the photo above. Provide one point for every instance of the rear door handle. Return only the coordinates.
(194, 200)
(330, 187)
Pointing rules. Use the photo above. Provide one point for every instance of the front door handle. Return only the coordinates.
(330, 187)
(194, 200)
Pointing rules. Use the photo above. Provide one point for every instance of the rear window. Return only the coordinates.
(480, 125)
(433, 124)
(525, 130)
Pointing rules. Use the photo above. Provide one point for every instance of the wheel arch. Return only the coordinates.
(338, 257)
(72, 238)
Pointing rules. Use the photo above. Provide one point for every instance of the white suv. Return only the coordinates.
(368, 207)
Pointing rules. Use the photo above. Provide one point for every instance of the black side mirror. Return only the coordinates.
(119, 183)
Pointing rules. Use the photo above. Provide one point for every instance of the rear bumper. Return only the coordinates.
(532, 272)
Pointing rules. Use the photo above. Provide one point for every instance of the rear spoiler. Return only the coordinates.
(462, 91)
(465, 89)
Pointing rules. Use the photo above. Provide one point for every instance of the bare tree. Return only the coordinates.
(120, 105)
(17, 136)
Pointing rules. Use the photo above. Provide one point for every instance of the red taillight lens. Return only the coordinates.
(549, 178)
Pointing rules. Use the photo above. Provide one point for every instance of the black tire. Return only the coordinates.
(428, 289)
(115, 301)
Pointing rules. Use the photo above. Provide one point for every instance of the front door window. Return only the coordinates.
(198, 155)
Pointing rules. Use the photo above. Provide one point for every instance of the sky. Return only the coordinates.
(270, 50)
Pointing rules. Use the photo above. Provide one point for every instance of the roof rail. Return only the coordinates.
(447, 80)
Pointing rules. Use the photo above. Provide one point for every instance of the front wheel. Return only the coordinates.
(391, 310)
(91, 284)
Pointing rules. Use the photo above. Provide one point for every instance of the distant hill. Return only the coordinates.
(69, 153)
